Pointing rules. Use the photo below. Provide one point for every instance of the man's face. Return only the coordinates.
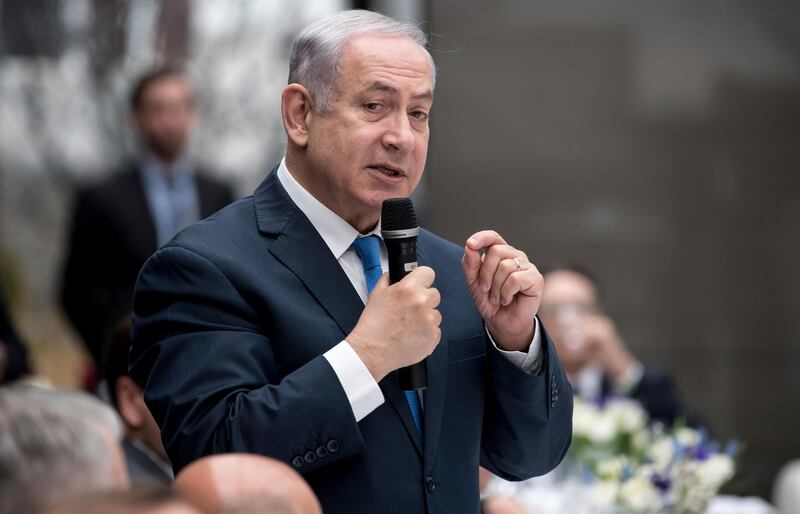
(165, 116)
(373, 143)
(568, 300)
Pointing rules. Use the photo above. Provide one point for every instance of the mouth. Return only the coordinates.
(388, 170)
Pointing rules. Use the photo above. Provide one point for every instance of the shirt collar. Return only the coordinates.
(151, 165)
(336, 232)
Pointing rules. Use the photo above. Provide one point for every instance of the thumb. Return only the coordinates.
(471, 264)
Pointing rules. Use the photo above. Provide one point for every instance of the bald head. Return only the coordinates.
(241, 483)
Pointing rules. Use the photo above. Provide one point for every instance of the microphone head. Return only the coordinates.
(398, 214)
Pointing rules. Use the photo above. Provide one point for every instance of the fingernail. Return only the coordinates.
(472, 241)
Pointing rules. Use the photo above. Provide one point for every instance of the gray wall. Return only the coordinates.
(658, 143)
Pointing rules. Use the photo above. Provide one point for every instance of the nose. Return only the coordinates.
(399, 135)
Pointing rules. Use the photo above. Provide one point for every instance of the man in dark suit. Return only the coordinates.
(268, 327)
(597, 360)
(121, 220)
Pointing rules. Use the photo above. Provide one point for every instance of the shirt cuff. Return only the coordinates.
(362, 391)
(530, 361)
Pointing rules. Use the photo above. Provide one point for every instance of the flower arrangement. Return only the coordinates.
(632, 467)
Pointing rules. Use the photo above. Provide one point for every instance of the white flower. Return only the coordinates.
(688, 437)
(603, 429)
(639, 494)
(641, 440)
(715, 471)
(604, 494)
(628, 415)
(583, 418)
(592, 423)
(661, 453)
(612, 468)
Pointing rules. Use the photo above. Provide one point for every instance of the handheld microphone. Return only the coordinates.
(399, 229)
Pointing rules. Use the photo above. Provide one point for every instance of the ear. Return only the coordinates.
(297, 108)
(130, 397)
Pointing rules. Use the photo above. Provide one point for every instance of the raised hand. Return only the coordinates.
(505, 286)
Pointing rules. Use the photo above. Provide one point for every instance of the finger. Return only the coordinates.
(491, 260)
(471, 264)
(527, 282)
(484, 239)
(420, 276)
(434, 297)
(504, 270)
(437, 317)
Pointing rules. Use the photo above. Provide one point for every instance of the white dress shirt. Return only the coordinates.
(361, 389)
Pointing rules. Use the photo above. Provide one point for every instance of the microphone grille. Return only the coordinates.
(398, 214)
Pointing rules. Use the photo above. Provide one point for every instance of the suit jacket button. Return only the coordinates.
(430, 484)
(333, 446)
(298, 461)
(310, 457)
(322, 452)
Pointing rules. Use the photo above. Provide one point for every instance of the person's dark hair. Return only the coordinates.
(150, 78)
(579, 269)
(115, 357)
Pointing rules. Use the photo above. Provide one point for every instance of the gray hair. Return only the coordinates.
(53, 444)
(316, 51)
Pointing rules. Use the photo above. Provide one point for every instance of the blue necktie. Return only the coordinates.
(369, 251)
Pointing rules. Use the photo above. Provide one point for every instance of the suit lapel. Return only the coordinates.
(301, 249)
(436, 392)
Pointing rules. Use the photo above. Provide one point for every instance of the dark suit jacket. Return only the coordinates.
(230, 323)
(112, 235)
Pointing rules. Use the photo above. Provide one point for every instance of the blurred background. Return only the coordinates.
(654, 142)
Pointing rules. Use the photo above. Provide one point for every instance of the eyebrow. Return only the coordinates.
(386, 88)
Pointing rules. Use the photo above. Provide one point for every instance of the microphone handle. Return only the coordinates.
(402, 253)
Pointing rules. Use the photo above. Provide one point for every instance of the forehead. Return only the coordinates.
(399, 60)
(170, 85)
(568, 287)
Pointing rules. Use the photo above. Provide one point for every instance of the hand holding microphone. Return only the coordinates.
(400, 323)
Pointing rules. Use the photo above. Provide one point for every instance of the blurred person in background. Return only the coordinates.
(121, 220)
(596, 358)
(149, 499)
(13, 353)
(56, 445)
(240, 483)
(145, 456)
